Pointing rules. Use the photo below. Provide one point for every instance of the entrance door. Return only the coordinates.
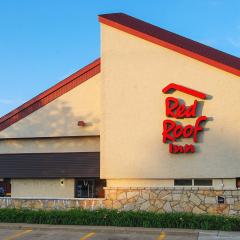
(89, 187)
(5, 188)
(85, 188)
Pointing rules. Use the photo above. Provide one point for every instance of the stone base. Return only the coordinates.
(194, 200)
(49, 204)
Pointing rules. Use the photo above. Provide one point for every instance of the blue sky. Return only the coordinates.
(42, 42)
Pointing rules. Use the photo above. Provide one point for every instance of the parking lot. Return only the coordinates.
(73, 233)
(29, 234)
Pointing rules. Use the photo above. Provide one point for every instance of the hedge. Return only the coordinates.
(123, 218)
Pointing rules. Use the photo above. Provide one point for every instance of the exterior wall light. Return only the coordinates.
(61, 182)
(81, 123)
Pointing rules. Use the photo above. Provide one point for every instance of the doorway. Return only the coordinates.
(89, 188)
(5, 187)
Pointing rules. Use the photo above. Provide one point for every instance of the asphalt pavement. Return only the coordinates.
(59, 232)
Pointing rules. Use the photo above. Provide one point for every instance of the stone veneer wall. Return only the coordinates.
(50, 203)
(195, 200)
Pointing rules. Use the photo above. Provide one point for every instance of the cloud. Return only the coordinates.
(7, 105)
(234, 42)
(6, 101)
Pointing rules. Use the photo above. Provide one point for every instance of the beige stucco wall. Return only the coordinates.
(76, 144)
(42, 188)
(134, 72)
(228, 183)
(128, 183)
(60, 117)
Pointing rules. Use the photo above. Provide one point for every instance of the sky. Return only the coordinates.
(44, 41)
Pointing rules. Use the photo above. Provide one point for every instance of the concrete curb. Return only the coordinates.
(80, 228)
(107, 229)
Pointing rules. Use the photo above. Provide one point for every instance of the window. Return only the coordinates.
(182, 182)
(238, 182)
(89, 188)
(194, 182)
(202, 182)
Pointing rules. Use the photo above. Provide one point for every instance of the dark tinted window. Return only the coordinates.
(183, 182)
(202, 182)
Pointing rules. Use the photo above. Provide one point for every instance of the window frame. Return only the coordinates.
(193, 184)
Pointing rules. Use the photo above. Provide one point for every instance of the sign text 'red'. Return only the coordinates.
(172, 130)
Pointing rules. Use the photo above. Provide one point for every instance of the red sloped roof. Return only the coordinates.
(172, 41)
(50, 94)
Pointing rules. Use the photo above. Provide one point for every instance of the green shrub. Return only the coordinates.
(124, 219)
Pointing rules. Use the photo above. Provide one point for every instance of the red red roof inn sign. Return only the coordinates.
(172, 131)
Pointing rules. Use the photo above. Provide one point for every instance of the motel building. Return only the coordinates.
(153, 124)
